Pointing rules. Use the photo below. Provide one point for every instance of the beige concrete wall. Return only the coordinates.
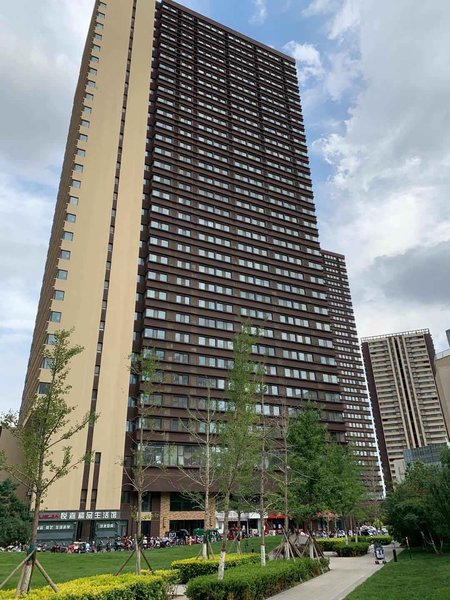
(109, 435)
(84, 287)
(442, 366)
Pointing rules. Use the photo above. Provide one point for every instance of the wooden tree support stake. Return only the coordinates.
(46, 576)
(5, 581)
(125, 563)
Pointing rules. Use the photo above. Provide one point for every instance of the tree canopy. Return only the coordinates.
(15, 519)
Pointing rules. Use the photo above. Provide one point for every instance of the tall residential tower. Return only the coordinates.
(357, 412)
(185, 207)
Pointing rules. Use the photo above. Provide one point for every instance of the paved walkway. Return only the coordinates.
(344, 576)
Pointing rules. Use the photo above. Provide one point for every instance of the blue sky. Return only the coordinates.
(375, 87)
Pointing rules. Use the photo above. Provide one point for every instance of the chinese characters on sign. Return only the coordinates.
(80, 515)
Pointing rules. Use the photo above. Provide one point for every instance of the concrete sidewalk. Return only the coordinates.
(344, 576)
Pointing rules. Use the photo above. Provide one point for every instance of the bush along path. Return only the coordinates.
(253, 582)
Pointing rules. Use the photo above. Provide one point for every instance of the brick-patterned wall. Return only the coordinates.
(165, 514)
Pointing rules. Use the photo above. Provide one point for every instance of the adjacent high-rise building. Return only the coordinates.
(442, 370)
(185, 207)
(405, 400)
(356, 406)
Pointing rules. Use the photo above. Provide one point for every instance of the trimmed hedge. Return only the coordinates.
(333, 544)
(189, 568)
(253, 582)
(148, 586)
(372, 539)
(352, 549)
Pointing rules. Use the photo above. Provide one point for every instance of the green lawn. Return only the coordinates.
(62, 567)
(424, 577)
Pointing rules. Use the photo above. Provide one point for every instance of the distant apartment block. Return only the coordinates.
(404, 396)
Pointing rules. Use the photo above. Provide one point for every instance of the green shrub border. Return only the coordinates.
(332, 544)
(352, 549)
(253, 582)
(150, 586)
(189, 568)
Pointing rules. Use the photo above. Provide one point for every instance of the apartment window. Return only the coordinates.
(184, 338)
(88, 96)
(95, 47)
(183, 281)
(158, 334)
(71, 218)
(64, 254)
(58, 295)
(180, 378)
(80, 152)
(87, 110)
(55, 316)
(85, 123)
(43, 388)
(179, 402)
(61, 274)
(181, 357)
(67, 235)
(182, 318)
(82, 137)
(153, 313)
(50, 339)
(75, 183)
(157, 294)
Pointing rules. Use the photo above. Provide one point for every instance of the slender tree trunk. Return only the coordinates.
(262, 490)
(223, 549)
(345, 529)
(28, 567)
(205, 549)
(238, 544)
(311, 540)
(287, 551)
(138, 533)
(205, 525)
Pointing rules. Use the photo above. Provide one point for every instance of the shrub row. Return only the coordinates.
(382, 539)
(339, 546)
(189, 568)
(149, 586)
(352, 549)
(330, 544)
(253, 582)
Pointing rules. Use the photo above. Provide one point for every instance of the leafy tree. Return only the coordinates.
(43, 431)
(307, 462)
(416, 507)
(145, 366)
(15, 520)
(202, 428)
(236, 439)
(346, 492)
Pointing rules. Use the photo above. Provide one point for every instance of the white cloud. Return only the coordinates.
(388, 193)
(260, 12)
(308, 60)
(40, 51)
